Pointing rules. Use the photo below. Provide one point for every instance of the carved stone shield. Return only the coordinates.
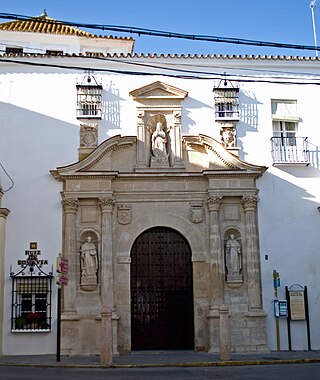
(196, 213)
(124, 213)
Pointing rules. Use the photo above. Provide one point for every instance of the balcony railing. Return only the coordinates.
(290, 151)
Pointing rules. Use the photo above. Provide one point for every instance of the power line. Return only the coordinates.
(8, 175)
(161, 33)
(208, 75)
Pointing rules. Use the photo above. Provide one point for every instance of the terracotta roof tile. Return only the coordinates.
(45, 24)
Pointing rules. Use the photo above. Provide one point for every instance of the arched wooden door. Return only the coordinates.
(161, 291)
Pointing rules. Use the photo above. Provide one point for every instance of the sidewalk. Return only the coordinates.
(164, 359)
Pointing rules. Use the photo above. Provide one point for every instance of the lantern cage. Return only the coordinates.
(226, 97)
(89, 94)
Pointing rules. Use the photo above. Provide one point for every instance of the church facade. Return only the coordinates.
(163, 194)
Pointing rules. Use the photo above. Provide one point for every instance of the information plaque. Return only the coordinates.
(297, 305)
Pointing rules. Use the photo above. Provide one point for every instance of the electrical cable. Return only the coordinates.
(208, 76)
(160, 33)
(126, 61)
(7, 174)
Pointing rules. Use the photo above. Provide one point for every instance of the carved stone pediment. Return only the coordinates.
(118, 155)
(158, 90)
(208, 154)
(114, 154)
(159, 102)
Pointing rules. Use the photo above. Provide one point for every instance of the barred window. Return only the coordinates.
(31, 303)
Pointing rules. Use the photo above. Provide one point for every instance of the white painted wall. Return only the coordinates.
(38, 43)
(39, 131)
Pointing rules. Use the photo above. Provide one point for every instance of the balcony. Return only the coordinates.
(291, 151)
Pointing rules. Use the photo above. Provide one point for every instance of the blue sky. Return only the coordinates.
(286, 21)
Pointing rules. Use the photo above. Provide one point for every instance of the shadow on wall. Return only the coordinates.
(30, 138)
(248, 113)
(111, 107)
(289, 238)
(186, 121)
(248, 110)
(314, 152)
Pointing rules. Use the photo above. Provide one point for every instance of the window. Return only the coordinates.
(226, 94)
(284, 132)
(284, 122)
(93, 53)
(89, 94)
(287, 148)
(54, 52)
(31, 303)
(224, 110)
(14, 50)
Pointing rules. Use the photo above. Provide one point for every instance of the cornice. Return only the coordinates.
(116, 176)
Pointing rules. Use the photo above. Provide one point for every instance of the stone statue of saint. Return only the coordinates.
(159, 143)
(89, 261)
(233, 256)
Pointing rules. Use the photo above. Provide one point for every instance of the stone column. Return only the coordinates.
(106, 337)
(225, 338)
(216, 270)
(141, 140)
(107, 290)
(177, 146)
(70, 207)
(251, 251)
(114, 320)
(4, 212)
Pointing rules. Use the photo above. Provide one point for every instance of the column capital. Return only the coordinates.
(214, 202)
(107, 204)
(4, 212)
(70, 205)
(249, 202)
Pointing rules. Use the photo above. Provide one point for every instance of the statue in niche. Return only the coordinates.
(233, 259)
(89, 262)
(159, 144)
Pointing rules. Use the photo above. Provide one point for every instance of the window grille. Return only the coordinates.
(31, 294)
(14, 50)
(89, 94)
(226, 95)
(54, 52)
(31, 303)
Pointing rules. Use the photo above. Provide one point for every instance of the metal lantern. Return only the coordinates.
(89, 98)
(226, 95)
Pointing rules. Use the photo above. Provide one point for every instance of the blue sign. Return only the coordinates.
(276, 282)
(280, 309)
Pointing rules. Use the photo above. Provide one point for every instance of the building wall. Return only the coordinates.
(39, 132)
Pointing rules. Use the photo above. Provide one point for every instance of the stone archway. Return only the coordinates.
(161, 291)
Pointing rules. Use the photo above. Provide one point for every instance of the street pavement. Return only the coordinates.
(145, 359)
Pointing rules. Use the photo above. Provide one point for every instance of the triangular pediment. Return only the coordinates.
(158, 90)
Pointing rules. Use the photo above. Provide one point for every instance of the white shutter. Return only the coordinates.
(284, 110)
